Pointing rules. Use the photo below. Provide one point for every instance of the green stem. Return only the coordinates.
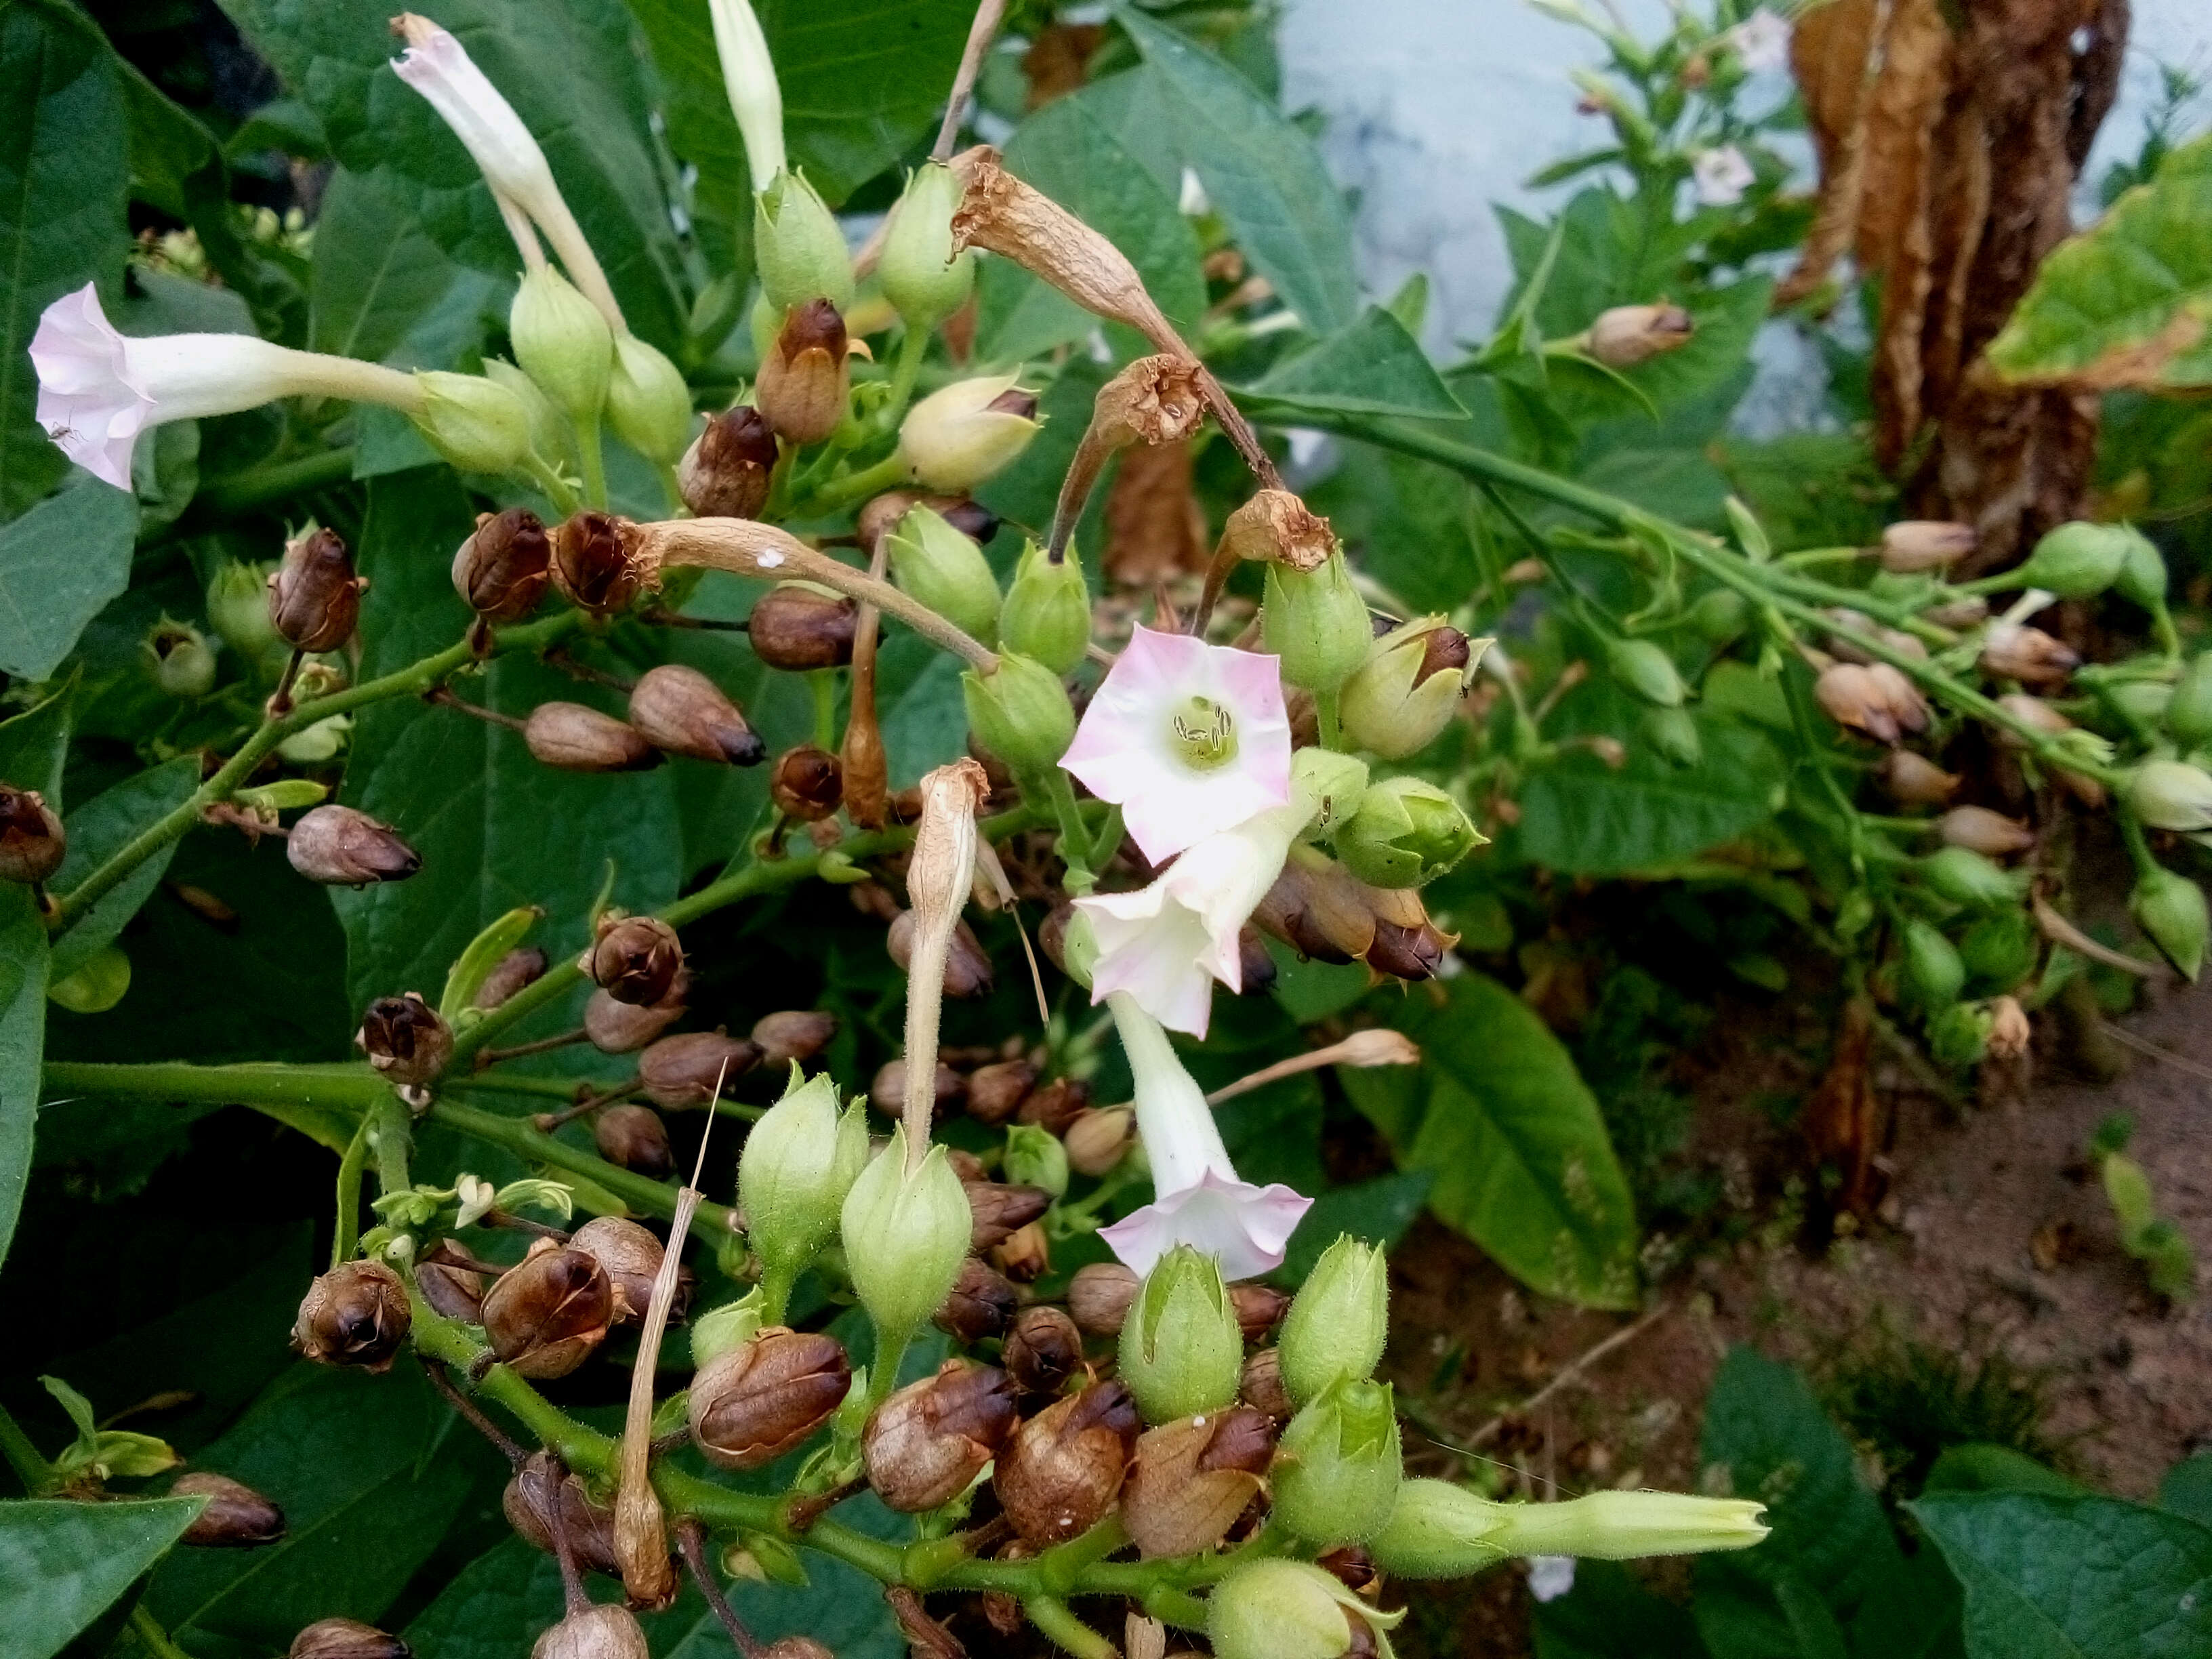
(591, 451)
(148, 1629)
(352, 1089)
(564, 500)
(393, 1132)
(1053, 1619)
(1325, 716)
(439, 1338)
(823, 682)
(2132, 832)
(279, 481)
(1074, 833)
(914, 345)
(346, 1238)
(883, 1370)
(33, 1470)
(503, 1082)
(713, 1224)
(853, 487)
(2162, 627)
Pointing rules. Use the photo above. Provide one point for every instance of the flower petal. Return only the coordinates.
(1245, 1227)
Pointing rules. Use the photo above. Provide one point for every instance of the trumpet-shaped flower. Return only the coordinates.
(1720, 177)
(1189, 738)
(1197, 1198)
(1761, 42)
(749, 76)
(98, 389)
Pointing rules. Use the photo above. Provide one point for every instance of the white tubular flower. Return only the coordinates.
(1720, 177)
(1189, 738)
(749, 73)
(1761, 42)
(1197, 1198)
(440, 68)
(98, 389)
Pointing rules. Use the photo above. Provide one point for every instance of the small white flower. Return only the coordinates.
(749, 76)
(1761, 42)
(1551, 1577)
(1720, 177)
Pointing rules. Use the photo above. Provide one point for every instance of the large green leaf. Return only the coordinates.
(65, 176)
(1263, 174)
(1609, 1614)
(23, 975)
(1407, 522)
(2187, 1488)
(2049, 1577)
(1581, 816)
(59, 563)
(2128, 302)
(377, 270)
(1523, 1162)
(1372, 366)
(102, 827)
(62, 1563)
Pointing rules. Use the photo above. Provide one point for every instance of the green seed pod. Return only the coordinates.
(1933, 971)
(1182, 1351)
(945, 571)
(562, 343)
(1964, 876)
(798, 1165)
(922, 276)
(238, 605)
(1998, 952)
(2142, 572)
(1338, 1470)
(648, 404)
(2076, 560)
(1646, 670)
(180, 658)
(1278, 1609)
(797, 247)
(2170, 908)
(2188, 714)
(1317, 622)
(1037, 1157)
(1020, 713)
(1960, 1036)
(905, 1236)
(1337, 1324)
(962, 435)
(1047, 614)
(477, 425)
(1404, 833)
(1673, 734)
(1720, 615)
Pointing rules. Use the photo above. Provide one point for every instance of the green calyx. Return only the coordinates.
(1406, 832)
(1182, 1351)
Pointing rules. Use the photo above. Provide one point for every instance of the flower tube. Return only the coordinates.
(1198, 1199)
(748, 77)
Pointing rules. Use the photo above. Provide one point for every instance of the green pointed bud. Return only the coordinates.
(1047, 614)
(1406, 692)
(2170, 909)
(562, 343)
(2172, 795)
(2188, 714)
(1020, 713)
(477, 424)
(906, 1235)
(1279, 1609)
(1646, 670)
(1336, 1328)
(1443, 1531)
(1317, 622)
(798, 248)
(648, 404)
(922, 276)
(1999, 950)
(964, 433)
(1933, 972)
(1338, 1468)
(1673, 734)
(1960, 1036)
(1406, 832)
(798, 1165)
(1720, 615)
(238, 605)
(2076, 560)
(1965, 876)
(550, 435)
(945, 571)
(1037, 1157)
(2143, 573)
(1182, 1352)
(733, 1325)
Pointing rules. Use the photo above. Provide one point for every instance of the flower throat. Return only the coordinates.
(1205, 733)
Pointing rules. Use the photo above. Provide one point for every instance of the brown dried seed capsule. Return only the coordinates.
(681, 710)
(518, 968)
(406, 1041)
(591, 566)
(1899, 696)
(1026, 1255)
(528, 1503)
(755, 1403)
(1262, 1387)
(681, 1073)
(1407, 953)
(1853, 698)
(1980, 830)
(1062, 1470)
(314, 597)
(1917, 544)
(636, 1139)
(1255, 964)
(887, 1094)
(1625, 336)
(1916, 780)
(725, 473)
(605, 1632)
(355, 1315)
(1190, 1480)
(881, 513)
(236, 1516)
(967, 970)
(1053, 1106)
(981, 1305)
(1352, 1566)
(804, 381)
(622, 1028)
(999, 1209)
(634, 959)
(2027, 655)
(544, 1316)
(346, 1638)
(1044, 1349)
(629, 1254)
(994, 1092)
(32, 841)
(451, 1281)
(808, 784)
(579, 739)
(794, 1035)
(1099, 1138)
(927, 1442)
(965, 1165)
(1260, 1309)
(1023, 405)
(1099, 1296)
(796, 626)
(341, 847)
(501, 570)
(796, 1647)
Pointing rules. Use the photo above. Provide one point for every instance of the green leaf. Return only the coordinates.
(59, 563)
(925, 722)
(102, 827)
(2187, 1488)
(23, 973)
(1610, 1615)
(2128, 302)
(1581, 816)
(2049, 1577)
(1980, 1465)
(64, 183)
(1523, 1162)
(1378, 1211)
(1407, 522)
(62, 1564)
(1263, 174)
(34, 744)
(377, 270)
(1371, 366)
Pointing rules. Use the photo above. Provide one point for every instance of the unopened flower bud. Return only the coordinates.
(725, 473)
(2010, 1031)
(682, 1073)
(1917, 545)
(1673, 734)
(1047, 614)
(648, 404)
(794, 1172)
(928, 1443)
(1405, 832)
(355, 1315)
(791, 1036)
(2076, 560)
(501, 571)
(544, 1316)
(753, 1404)
(1315, 622)
(1406, 692)
(562, 343)
(798, 625)
(236, 1516)
(1191, 1479)
(1262, 1387)
(805, 377)
(1279, 1609)
(405, 1040)
(528, 1503)
(945, 571)
(1181, 1352)
(1965, 876)
(1020, 713)
(1444, 1531)
(636, 1139)
(574, 739)
(1916, 780)
(2170, 909)
(997, 1210)
(2027, 655)
(807, 785)
(1625, 336)
(451, 1281)
(342, 847)
(1980, 830)
(887, 1090)
(981, 1303)
(906, 1234)
(608, 1631)
(1338, 1470)
(634, 959)
(1933, 970)
(314, 597)
(1063, 1468)
(2172, 795)
(995, 1091)
(1037, 1157)
(922, 276)
(592, 563)
(615, 1027)
(238, 605)
(1644, 667)
(629, 1255)
(1044, 1349)
(32, 840)
(962, 434)
(1099, 1138)
(681, 710)
(967, 970)
(345, 1638)
(1339, 1321)
(182, 663)
(798, 248)
(477, 424)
